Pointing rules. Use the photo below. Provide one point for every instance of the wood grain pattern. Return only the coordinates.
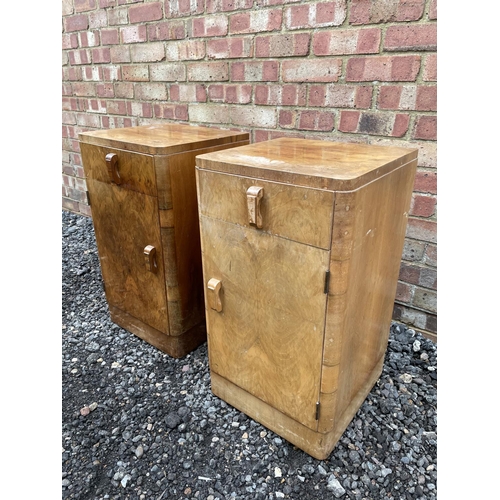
(125, 223)
(376, 239)
(142, 187)
(162, 138)
(295, 213)
(369, 191)
(136, 171)
(312, 163)
(272, 316)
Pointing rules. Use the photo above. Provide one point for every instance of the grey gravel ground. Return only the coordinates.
(137, 424)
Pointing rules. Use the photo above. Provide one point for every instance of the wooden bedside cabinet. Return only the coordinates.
(142, 192)
(301, 248)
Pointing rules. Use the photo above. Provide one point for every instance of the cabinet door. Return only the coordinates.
(127, 231)
(265, 308)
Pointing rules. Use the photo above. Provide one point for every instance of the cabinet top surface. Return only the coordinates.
(165, 138)
(313, 163)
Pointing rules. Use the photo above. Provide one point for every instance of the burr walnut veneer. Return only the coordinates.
(142, 192)
(301, 247)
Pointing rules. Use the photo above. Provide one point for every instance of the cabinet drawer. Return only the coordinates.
(133, 171)
(296, 213)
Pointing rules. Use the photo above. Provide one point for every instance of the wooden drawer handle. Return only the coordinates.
(254, 195)
(214, 286)
(150, 259)
(112, 163)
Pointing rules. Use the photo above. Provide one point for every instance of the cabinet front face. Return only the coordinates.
(127, 232)
(265, 306)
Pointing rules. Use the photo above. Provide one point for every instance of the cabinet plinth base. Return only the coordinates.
(174, 346)
(318, 445)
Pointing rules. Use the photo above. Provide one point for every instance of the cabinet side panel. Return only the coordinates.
(177, 191)
(367, 244)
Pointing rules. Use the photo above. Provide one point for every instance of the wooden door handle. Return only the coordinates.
(214, 299)
(150, 259)
(254, 195)
(112, 163)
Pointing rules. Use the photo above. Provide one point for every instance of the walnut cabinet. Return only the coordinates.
(301, 247)
(142, 193)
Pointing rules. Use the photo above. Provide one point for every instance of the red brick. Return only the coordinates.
(282, 45)
(426, 128)
(412, 37)
(409, 273)
(140, 109)
(81, 89)
(254, 71)
(403, 292)
(105, 90)
(375, 11)
(349, 121)
(401, 123)
(117, 107)
(342, 42)
(383, 68)
(183, 8)
(430, 68)
(216, 25)
(98, 19)
(168, 30)
(230, 94)
(84, 5)
(212, 6)
(286, 118)
(69, 41)
(316, 120)
(430, 257)
(78, 22)
(280, 95)
(151, 11)
(389, 96)
(110, 37)
(255, 21)
(426, 98)
(89, 38)
(100, 56)
(315, 15)
(185, 50)
(134, 34)
(171, 111)
(433, 10)
(79, 57)
(423, 230)
(188, 93)
(311, 70)
(425, 181)
(340, 96)
(422, 205)
(228, 48)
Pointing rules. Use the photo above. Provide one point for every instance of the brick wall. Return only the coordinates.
(355, 71)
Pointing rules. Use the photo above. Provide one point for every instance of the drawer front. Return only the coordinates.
(265, 311)
(128, 170)
(296, 213)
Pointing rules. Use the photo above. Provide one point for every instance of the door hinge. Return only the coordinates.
(327, 282)
(87, 194)
(317, 410)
